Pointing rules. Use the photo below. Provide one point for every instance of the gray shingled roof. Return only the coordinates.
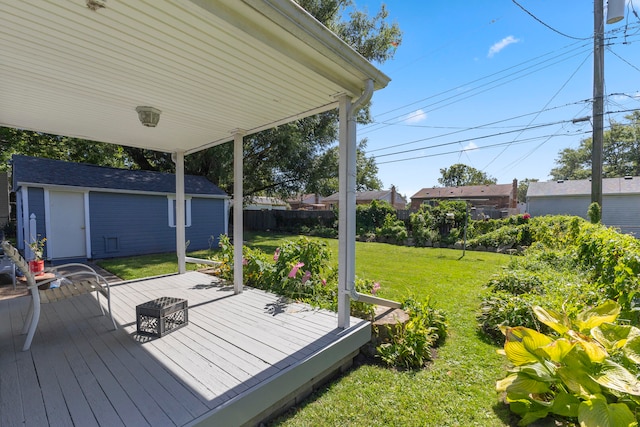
(35, 170)
(464, 191)
(582, 187)
(364, 196)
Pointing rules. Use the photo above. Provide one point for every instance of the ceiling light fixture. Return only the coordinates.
(148, 116)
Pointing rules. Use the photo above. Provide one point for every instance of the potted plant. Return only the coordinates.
(36, 266)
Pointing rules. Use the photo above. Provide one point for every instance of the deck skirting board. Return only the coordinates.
(279, 392)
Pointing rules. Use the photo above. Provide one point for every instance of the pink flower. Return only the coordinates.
(276, 255)
(307, 276)
(295, 268)
(376, 288)
(244, 261)
(526, 216)
(324, 282)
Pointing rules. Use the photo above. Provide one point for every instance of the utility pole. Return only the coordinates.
(598, 102)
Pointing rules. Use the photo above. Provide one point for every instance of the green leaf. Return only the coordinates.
(575, 374)
(530, 417)
(523, 386)
(521, 343)
(552, 319)
(631, 349)
(558, 349)
(616, 377)
(605, 312)
(565, 404)
(612, 336)
(597, 412)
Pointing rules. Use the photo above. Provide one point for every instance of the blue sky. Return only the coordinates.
(482, 82)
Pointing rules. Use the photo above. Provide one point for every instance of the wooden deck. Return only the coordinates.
(240, 358)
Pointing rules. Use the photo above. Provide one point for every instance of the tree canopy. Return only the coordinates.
(620, 153)
(296, 157)
(459, 175)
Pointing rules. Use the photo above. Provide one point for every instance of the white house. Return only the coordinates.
(620, 200)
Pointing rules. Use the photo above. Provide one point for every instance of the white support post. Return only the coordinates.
(346, 213)
(33, 236)
(238, 238)
(181, 247)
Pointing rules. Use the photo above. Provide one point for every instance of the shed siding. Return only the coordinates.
(36, 206)
(577, 206)
(622, 212)
(129, 224)
(207, 220)
(134, 224)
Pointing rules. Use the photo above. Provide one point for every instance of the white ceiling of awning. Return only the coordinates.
(211, 66)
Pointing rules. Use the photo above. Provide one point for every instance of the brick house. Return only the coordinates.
(498, 196)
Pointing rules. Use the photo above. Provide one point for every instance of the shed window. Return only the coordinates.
(172, 211)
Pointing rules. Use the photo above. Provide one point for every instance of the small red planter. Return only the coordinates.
(36, 267)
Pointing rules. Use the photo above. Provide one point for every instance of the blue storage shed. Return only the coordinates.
(88, 211)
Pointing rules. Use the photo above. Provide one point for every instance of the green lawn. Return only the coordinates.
(457, 389)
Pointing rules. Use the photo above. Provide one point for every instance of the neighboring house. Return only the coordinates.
(88, 211)
(5, 206)
(497, 196)
(365, 197)
(263, 203)
(307, 202)
(620, 200)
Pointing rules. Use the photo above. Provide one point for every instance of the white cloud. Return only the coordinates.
(470, 146)
(497, 47)
(416, 117)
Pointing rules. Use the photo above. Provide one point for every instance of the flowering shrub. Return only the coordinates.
(298, 270)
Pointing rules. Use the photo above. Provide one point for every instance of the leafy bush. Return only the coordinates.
(372, 216)
(392, 229)
(423, 227)
(594, 213)
(410, 345)
(585, 372)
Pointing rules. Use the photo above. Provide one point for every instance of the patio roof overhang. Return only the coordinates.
(211, 66)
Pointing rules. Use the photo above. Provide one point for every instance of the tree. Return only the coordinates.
(29, 143)
(459, 175)
(620, 153)
(523, 186)
(324, 175)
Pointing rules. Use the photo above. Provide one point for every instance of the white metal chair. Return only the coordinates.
(85, 281)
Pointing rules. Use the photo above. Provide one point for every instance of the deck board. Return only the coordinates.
(81, 372)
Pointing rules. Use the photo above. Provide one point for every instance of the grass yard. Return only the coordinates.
(457, 389)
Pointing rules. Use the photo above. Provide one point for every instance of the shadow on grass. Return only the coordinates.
(502, 411)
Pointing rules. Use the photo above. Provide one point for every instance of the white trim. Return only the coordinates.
(172, 209)
(115, 190)
(87, 226)
(47, 222)
(25, 221)
(227, 207)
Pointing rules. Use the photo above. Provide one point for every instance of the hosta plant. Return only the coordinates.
(585, 372)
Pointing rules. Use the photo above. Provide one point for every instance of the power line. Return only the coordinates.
(379, 125)
(483, 126)
(456, 89)
(545, 106)
(548, 26)
(472, 139)
(522, 141)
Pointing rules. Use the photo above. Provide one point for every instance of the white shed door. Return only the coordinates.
(66, 216)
